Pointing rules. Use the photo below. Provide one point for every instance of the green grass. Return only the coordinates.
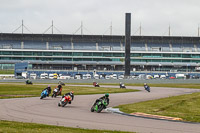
(186, 107)
(35, 90)
(7, 72)
(19, 127)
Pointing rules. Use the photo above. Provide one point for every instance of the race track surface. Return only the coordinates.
(78, 113)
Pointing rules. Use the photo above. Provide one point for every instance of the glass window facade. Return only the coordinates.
(141, 53)
(94, 56)
(7, 66)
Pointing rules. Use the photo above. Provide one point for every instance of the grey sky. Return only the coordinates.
(97, 15)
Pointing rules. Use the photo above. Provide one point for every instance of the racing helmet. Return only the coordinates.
(72, 92)
(145, 83)
(107, 95)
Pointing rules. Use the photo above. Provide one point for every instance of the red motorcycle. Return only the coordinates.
(95, 84)
(64, 100)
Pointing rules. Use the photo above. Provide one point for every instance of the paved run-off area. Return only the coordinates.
(78, 113)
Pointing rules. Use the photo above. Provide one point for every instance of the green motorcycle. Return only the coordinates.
(99, 105)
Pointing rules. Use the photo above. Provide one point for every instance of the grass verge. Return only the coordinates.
(7, 72)
(20, 127)
(18, 90)
(186, 107)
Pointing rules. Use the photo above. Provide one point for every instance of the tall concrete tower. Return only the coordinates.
(127, 44)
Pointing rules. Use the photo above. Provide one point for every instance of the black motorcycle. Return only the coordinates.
(55, 93)
(147, 88)
(29, 82)
(61, 83)
(121, 85)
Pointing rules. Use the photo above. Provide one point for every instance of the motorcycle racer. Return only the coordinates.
(100, 103)
(48, 90)
(146, 87)
(71, 93)
(60, 89)
(105, 97)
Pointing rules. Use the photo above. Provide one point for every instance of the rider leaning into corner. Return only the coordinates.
(71, 93)
(105, 97)
(60, 89)
(48, 90)
(146, 86)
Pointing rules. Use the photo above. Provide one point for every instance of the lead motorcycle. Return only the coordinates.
(99, 105)
(147, 88)
(64, 100)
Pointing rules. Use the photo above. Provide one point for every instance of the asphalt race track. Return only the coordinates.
(78, 113)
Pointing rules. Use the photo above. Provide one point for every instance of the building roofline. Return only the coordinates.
(97, 38)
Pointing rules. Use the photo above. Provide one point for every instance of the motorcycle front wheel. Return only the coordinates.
(92, 109)
(63, 105)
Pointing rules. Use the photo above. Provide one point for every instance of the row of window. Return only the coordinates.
(57, 59)
(164, 55)
(93, 54)
(29, 53)
(95, 59)
(160, 60)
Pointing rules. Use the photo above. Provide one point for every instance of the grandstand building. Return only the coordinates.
(89, 52)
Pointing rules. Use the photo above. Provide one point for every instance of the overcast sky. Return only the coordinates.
(155, 16)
